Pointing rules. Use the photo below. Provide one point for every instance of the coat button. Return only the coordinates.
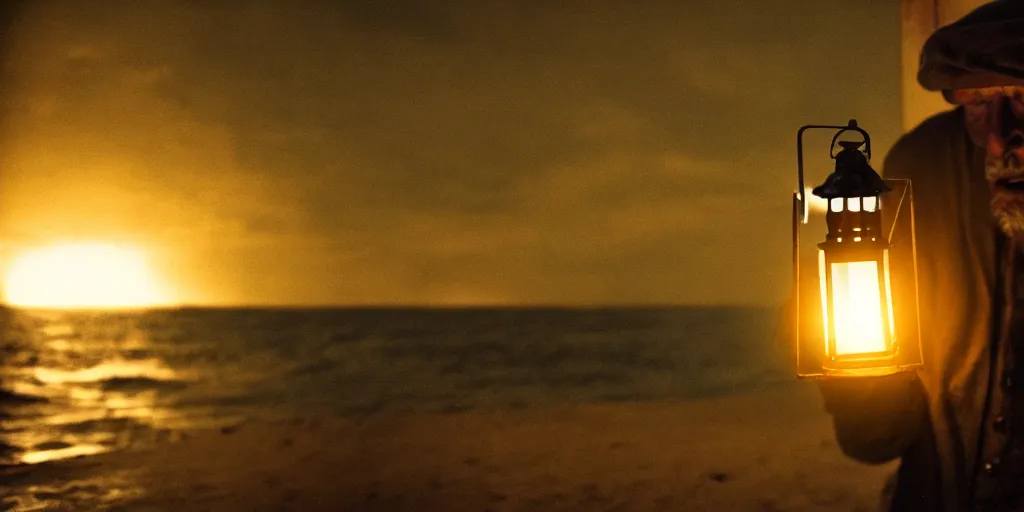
(992, 466)
(1008, 381)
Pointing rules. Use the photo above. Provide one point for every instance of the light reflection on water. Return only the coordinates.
(150, 368)
(76, 384)
(79, 396)
(35, 457)
(92, 492)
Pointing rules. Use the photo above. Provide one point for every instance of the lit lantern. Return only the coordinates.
(859, 333)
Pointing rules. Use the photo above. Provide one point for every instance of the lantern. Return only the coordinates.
(867, 320)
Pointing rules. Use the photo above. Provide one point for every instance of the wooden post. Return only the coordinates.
(919, 18)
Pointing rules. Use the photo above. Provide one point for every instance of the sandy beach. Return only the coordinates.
(762, 451)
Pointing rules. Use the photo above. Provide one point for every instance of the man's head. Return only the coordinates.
(978, 62)
(995, 121)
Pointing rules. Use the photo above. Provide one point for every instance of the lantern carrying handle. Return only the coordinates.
(802, 191)
(852, 127)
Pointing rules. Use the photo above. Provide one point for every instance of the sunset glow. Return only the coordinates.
(82, 275)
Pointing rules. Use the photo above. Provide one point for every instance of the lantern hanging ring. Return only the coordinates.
(851, 127)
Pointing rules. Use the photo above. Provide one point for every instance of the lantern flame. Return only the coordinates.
(857, 308)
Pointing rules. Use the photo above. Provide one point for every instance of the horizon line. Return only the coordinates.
(378, 306)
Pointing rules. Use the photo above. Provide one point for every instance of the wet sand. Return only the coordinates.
(767, 451)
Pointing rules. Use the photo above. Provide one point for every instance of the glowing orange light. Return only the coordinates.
(857, 308)
(82, 275)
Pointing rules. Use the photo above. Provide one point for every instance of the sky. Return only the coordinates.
(383, 152)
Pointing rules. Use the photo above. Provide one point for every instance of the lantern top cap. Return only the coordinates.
(853, 176)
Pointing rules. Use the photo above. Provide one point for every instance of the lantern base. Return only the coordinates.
(851, 373)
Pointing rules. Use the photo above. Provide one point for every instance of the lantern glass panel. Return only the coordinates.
(870, 203)
(823, 284)
(888, 297)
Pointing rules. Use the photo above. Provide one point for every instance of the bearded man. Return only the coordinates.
(958, 424)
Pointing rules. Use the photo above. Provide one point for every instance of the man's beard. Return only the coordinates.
(1007, 195)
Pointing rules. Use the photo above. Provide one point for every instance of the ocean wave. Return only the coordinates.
(101, 425)
(139, 384)
(51, 445)
(313, 367)
(12, 398)
(110, 369)
(124, 375)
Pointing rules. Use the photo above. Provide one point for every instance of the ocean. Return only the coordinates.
(80, 383)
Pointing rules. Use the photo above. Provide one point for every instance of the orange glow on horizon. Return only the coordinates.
(83, 275)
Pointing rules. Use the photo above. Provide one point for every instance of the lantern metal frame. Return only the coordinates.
(826, 363)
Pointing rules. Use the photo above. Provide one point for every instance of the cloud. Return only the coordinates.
(413, 151)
